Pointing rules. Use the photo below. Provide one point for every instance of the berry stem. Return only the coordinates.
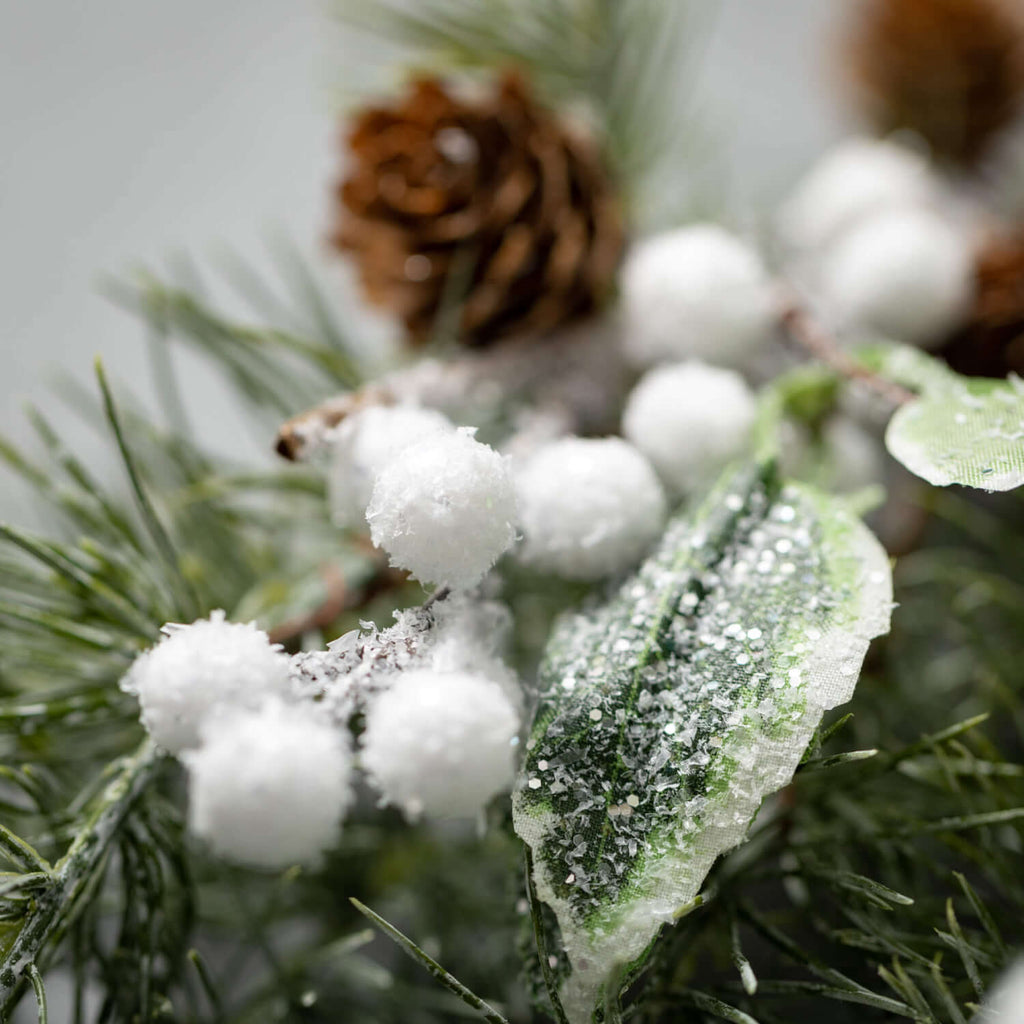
(811, 335)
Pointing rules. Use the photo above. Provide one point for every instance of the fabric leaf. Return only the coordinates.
(961, 430)
(669, 713)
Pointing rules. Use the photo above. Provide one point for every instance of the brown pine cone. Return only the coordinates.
(491, 208)
(950, 70)
(992, 344)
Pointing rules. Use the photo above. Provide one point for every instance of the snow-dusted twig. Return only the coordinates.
(576, 379)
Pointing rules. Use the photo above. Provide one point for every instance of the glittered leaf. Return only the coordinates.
(669, 713)
(960, 430)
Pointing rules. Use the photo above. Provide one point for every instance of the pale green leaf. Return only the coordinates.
(960, 430)
(669, 713)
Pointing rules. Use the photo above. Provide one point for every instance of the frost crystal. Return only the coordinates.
(444, 509)
(198, 667)
(689, 420)
(667, 715)
(462, 633)
(268, 787)
(589, 507)
(906, 274)
(363, 444)
(696, 292)
(440, 743)
(857, 178)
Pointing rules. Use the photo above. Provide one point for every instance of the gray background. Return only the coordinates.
(133, 129)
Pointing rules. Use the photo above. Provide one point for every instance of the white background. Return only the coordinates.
(132, 129)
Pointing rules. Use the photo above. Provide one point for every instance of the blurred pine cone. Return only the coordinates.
(950, 70)
(491, 207)
(992, 344)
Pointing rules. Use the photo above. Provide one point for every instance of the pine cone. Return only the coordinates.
(992, 344)
(950, 70)
(492, 208)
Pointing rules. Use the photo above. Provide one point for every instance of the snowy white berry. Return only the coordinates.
(1004, 1002)
(855, 179)
(588, 507)
(695, 292)
(198, 667)
(905, 274)
(472, 635)
(268, 787)
(690, 420)
(440, 743)
(363, 444)
(444, 509)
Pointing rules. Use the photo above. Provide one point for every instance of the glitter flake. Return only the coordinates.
(658, 758)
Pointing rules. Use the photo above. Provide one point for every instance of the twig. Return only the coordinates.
(803, 328)
(303, 433)
(340, 598)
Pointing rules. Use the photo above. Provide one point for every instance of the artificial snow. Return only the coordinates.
(268, 787)
(906, 274)
(462, 633)
(855, 179)
(440, 743)
(198, 667)
(1004, 1003)
(363, 444)
(588, 507)
(696, 292)
(690, 420)
(445, 509)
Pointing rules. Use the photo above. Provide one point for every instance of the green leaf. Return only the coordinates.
(669, 713)
(960, 430)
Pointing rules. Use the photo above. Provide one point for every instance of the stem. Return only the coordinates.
(340, 598)
(73, 874)
(810, 334)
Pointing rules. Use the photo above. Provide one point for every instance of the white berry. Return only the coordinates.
(905, 274)
(588, 507)
(440, 743)
(198, 667)
(1004, 1001)
(268, 787)
(363, 444)
(695, 292)
(690, 420)
(444, 509)
(853, 180)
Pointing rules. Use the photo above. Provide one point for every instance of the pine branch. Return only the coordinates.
(55, 908)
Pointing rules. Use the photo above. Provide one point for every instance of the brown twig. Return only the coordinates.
(803, 328)
(340, 599)
(301, 434)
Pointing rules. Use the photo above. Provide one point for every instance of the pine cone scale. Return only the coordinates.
(950, 70)
(495, 190)
(992, 343)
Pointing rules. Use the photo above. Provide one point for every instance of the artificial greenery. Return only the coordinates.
(882, 884)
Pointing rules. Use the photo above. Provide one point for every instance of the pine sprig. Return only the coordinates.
(185, 533)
